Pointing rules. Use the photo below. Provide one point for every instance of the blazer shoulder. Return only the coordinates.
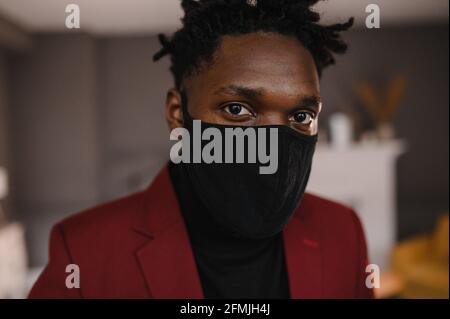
(328, 211)
(104, 219)
(313, 201)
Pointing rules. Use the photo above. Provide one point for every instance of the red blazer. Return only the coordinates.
(138, 247)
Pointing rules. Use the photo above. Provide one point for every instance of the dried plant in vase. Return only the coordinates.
(382, 106)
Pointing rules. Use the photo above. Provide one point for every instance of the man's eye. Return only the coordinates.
(303, 117)
(236, 109)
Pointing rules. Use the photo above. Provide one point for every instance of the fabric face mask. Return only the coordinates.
(245, 202)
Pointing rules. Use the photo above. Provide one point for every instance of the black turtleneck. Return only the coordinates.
(229, 266)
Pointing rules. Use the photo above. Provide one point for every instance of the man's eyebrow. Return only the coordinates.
(312, 101)
(309, 101)
(238, 90)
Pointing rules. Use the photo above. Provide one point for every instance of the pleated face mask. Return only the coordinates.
(249, 178)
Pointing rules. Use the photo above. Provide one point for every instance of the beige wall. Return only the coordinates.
(54, 120)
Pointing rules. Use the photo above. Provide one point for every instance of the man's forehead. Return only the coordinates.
(258, 51)
(288, 67)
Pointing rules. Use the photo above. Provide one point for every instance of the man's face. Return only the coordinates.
(256, 79)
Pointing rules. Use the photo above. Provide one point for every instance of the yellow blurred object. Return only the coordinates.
(422, 263)
(391, 285)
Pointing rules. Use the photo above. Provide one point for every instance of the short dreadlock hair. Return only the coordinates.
(206, 21)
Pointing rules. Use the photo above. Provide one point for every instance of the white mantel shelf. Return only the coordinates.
(362, 176)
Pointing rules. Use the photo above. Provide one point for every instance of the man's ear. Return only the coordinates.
(174, 112)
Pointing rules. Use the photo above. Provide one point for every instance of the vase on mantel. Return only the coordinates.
(341, 130)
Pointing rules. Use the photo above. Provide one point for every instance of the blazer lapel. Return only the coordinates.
(166, 260)
(303, 259)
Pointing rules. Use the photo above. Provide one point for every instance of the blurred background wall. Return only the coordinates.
(82, 111)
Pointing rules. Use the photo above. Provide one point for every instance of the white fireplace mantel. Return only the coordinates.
(362, 176)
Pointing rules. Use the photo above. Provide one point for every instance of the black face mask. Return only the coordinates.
(243, 201)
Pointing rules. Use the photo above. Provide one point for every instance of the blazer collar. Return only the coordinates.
(167, 261)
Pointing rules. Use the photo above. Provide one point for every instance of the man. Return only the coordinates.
(220, 230)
